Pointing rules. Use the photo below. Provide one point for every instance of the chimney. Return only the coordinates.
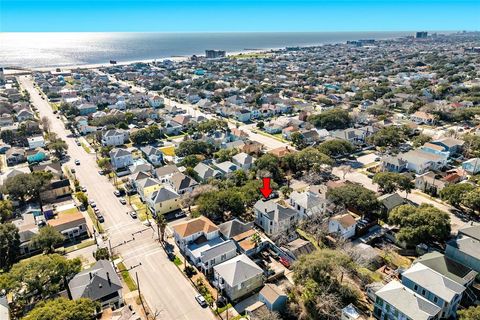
(108, 278)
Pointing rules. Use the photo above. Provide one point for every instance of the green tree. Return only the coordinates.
(356, 197)
(225, 154)
(218, 204)
(472, 145)
(189, 147)
(268, 165)
(6, 210)
(27, 185)
(391, 181)
(298, 140)
(9, 245)
(423, 224)
(101, 254)
(161, 226)
(64, 309)
(308, 159)
(472, 313)
(190, 161)
(82, 197)
(319, 291)
(40, 276)
(47, 239)
(454, 193)
(58, 146)
(390, 136)
(260, 125)
(336, 147)
(331, 119)
(471, 200)
(420, 140)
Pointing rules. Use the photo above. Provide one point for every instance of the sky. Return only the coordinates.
(237, 15)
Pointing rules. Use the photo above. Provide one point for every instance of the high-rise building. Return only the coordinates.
(215, 54)
(422, 35)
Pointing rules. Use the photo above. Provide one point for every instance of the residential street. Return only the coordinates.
(164, 287)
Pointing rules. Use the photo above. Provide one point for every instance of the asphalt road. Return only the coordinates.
(165, 289)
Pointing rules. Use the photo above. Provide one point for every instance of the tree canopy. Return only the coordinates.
(64, 309)
(331, 119)
(190, 147)
(319, 291)
(390, 136)
(41, 276)
(268, 165)
(391, 181)
(26, 186)
(9, 245)
(472, 313)
(335, 147)
(455, 193)
(47, 239)
(6, 210)
(420, 224)
(356, 197)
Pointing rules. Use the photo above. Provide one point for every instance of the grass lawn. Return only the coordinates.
(221, 310)
(132, 286)
(69, 211)
(85, 147)
(139, 207)
(177, 261)
(92, 216)
(81, 245)
(277, 136)
(393, 258)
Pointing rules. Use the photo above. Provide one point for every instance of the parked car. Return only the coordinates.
(84, 189)
(123, 201)
(133, 214)
(93, 204)
(116, 193)
(72, 170)
(285, 262)
(201, 300)
(101, 172)
(77, 162)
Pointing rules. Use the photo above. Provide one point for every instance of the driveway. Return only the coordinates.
(164, 287)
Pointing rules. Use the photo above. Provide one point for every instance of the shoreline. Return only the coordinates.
(178, 58)
(124, 63)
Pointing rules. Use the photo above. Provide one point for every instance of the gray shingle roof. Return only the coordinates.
(218, 250)
(233, 228)
(93, 283)
(163, 194)
(238, 270)
(408, 302)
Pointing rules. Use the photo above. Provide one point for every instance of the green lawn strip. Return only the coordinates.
(221, 310)
(309, 237)
(278, 138)
(132, 286)
(93, 217)
(85, 147)
(81, 245)
(177, 261)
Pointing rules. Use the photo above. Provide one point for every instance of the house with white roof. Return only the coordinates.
(116, 137)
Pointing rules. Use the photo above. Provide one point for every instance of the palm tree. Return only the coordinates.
(256, 239)
(161, 226)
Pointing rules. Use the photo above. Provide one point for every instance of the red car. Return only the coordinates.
(285, 262)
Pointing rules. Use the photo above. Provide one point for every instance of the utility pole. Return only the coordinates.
(111, 252)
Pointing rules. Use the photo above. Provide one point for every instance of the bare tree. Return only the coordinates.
(45, 123)
(189, 198)
(265, 314)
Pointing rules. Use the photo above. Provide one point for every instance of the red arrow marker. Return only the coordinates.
(266, 190)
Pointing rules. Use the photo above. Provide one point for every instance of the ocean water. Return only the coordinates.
(35, 50)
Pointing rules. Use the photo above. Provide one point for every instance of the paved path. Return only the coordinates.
(164, 287)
